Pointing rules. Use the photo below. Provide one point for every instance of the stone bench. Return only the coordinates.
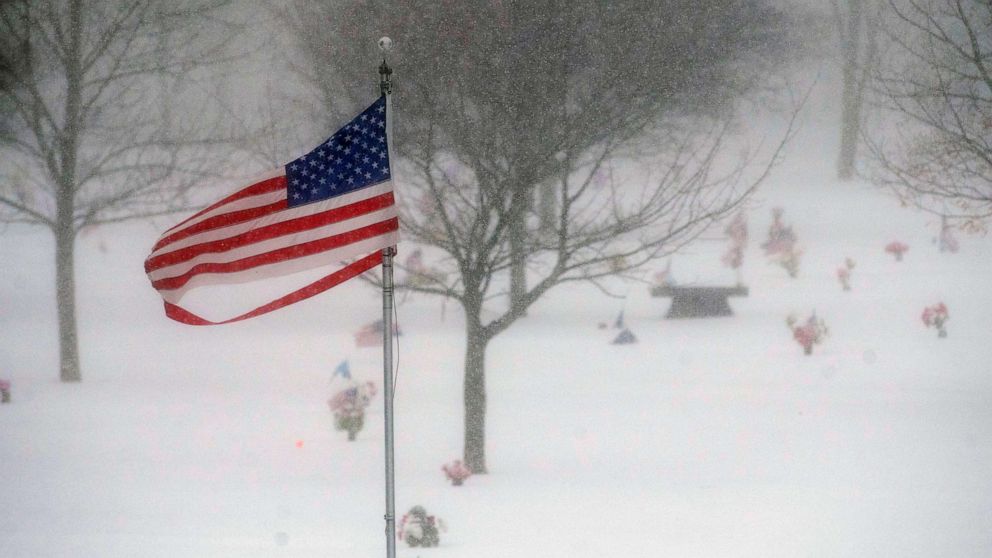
(698, 302)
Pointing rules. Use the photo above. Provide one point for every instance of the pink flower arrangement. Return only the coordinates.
(418, 274)
(664, 277)
(736, 231)
(352, 399)
(936, 316)
(457, 472)
(348, 406)
(781, 246)
(4, 391)
(946, 239)
(810, 333)
(734, 257)
(844, 274)
(897, 249)
(790, 261)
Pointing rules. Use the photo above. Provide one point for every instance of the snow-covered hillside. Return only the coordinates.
(708, 438)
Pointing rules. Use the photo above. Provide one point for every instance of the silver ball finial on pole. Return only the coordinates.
(385, 85)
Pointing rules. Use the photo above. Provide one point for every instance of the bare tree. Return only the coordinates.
(87, 140)
(857, 31)
(497, 101)
(936, 83)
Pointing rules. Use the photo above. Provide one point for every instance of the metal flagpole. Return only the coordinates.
(385, 88)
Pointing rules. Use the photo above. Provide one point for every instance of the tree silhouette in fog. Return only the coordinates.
(935, 150)
(88, 135)
(508, 120)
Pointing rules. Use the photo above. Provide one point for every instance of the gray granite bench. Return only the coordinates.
(698, 302)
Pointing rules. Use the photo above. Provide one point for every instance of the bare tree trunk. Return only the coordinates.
(475, 391)
(520, 206)
(548, 207)
(64, 229)
(65, 300)
(848, 136)
(851, 100)
(518, 258)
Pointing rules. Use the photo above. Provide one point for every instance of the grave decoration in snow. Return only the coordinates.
(619, 323)
(343, 370)
(844, 273)
(418, 528)
(456, 472)
(936, 316)
(946, 240)
(4, 391)
(664, 277)
(371, 334)
(625, 337)
(811, 332)
(736, 231)
(418, 274)
(897, 249)
(781, 247)
(348, 406)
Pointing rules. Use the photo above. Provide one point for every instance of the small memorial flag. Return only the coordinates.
(332, 207)
(371, 334)
(342, 370)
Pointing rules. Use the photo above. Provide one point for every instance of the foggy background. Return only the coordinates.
(561, 169)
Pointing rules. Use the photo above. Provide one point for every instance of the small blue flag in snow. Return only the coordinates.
(626, 337)
(343, 370)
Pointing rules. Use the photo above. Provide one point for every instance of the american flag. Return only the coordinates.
(333, 205)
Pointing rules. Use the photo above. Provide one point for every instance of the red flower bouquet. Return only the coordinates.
(810, 333)
(457, 472)
(781, 246)
(936, 316)
(897, 249)
(844, 274)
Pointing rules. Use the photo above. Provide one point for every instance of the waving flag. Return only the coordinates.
(329, 207)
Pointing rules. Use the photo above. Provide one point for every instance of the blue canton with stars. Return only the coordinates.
(356, 156)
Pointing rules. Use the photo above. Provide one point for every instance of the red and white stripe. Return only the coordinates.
(253, 234)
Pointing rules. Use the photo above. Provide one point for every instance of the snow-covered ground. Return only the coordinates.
(708, 438)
